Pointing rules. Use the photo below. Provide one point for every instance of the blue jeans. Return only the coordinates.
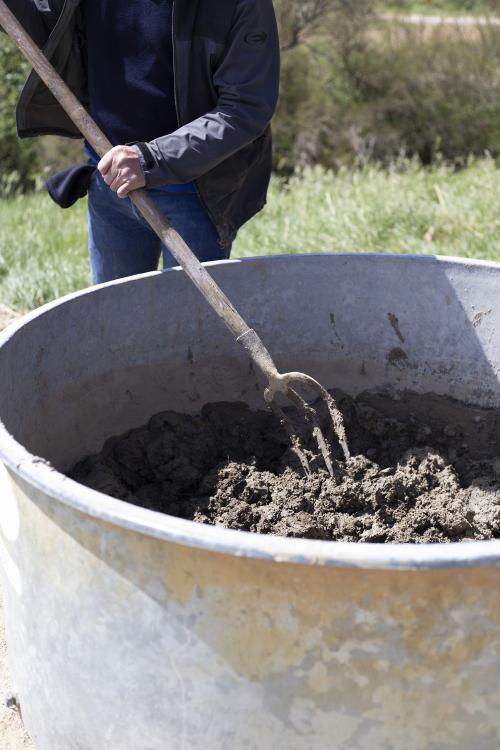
(122, 244)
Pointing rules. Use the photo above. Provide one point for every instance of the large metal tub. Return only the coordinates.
(132, 630)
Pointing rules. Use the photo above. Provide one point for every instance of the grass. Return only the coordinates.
(435, 211)
(407, 210)
(42, 250)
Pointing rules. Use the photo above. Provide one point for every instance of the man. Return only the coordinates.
(186, 90)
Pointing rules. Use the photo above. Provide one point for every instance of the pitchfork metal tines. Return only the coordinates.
(281, 383)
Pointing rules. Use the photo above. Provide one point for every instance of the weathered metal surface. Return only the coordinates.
(129, 629)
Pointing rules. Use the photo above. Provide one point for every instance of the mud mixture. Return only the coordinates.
(424, 469)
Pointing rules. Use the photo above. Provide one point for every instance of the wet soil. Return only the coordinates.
(424, 469)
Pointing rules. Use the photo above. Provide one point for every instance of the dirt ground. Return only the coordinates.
(12, 733)
(7, 316)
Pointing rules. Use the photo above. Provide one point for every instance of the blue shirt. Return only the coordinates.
(131, 70)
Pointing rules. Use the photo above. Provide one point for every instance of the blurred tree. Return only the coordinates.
(318, 40)
(19, 160)
(355, 90)
(299, 21)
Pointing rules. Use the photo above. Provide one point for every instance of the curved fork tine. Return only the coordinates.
(312, 415)
(333, 410)
(281, 384)
(337, 420)
(294, 440)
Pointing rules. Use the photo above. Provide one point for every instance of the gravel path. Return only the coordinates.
(422, 20)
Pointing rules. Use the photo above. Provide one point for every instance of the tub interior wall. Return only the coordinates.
(104, 362)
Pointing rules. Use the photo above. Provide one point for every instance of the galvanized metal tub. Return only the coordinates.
(133, 630)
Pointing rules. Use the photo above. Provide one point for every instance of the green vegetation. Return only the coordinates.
(24, 163)
(354, 91)
(363, 105)
(370, 92)
(19, 160)
(407, 209)
(42, 250)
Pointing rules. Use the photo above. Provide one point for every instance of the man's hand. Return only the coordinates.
(121, 170)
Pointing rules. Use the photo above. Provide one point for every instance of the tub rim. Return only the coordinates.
(37, 472)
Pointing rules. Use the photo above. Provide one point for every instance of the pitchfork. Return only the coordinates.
(278, 383)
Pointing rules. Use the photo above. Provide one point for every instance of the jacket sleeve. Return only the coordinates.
(247, 83)
(30, 14)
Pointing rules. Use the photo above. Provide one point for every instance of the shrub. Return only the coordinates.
(376, 91)
(428, 95)
(19, 160)
(354, 90)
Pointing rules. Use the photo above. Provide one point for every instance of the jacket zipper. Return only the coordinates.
(176, 104)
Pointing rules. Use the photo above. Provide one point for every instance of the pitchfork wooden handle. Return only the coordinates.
(94, 135)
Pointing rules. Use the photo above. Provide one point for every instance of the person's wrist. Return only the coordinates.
(142, 160)
(145, 156)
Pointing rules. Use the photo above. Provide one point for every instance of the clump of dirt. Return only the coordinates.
(424, 469)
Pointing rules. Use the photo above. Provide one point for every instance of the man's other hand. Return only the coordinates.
(121, 170)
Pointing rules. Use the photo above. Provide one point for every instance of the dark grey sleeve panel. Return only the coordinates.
(247, 82)
(31, 17)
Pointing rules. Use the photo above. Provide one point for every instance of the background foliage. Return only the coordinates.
(437, 210)
(377, 133)
(20, 161)
(355, 90)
